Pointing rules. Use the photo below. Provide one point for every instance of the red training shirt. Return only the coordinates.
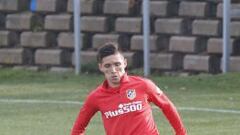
(126, 110)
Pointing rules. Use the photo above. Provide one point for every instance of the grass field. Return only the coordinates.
(33, 103)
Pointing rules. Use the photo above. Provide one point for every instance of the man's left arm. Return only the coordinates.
(162, 101)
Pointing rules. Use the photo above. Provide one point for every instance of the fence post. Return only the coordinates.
(77, 36)
(226, 35)
(146, 32)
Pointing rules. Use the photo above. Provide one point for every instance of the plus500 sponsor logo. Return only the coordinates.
(124, 108)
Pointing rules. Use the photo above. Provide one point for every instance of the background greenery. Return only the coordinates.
(202, 91)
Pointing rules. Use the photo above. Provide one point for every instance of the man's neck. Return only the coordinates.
(113, 85)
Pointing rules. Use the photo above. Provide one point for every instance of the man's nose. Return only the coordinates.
(113, 69)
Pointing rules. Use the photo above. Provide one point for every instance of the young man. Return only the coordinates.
(124, 101)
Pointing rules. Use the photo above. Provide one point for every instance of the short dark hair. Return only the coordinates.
(107, 49)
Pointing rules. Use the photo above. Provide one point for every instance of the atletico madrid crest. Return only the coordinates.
(131, 94)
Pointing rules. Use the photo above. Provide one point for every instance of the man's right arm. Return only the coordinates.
(86, 113)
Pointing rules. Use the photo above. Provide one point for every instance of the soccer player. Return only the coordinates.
(124, 100)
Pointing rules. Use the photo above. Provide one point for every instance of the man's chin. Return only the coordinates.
(115, 81)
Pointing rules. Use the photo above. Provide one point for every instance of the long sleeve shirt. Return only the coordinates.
(126, 110)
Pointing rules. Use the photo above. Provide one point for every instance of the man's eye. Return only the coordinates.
(117, 64)
(107, 65)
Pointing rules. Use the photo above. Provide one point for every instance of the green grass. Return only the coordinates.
(202, 91)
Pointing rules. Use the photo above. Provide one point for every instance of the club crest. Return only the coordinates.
(131, 94)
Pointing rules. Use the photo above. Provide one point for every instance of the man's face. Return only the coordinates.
(113, 68)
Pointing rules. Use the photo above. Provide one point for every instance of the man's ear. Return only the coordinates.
(100, 66)
(125, 62)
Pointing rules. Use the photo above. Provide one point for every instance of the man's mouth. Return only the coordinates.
(115, 77)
